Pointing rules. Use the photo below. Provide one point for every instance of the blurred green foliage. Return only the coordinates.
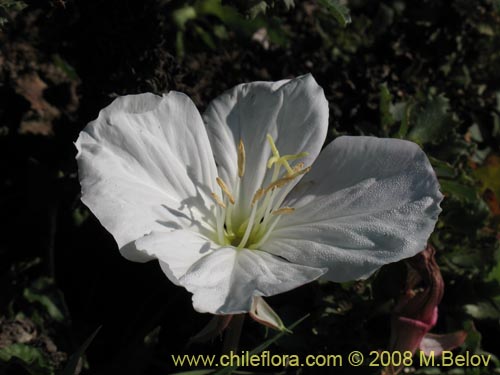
(7, 6)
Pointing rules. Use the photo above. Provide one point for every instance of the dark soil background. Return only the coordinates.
(428, 71)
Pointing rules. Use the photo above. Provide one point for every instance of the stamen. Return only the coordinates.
(285, 180)
(265, 210)
(298, 167)
(283, 211)
(274, 206)
(302, 171)
(241, 159)
(248, 231)
(266, 234)
(259, 193)
(279, 183)
(225, 189)
(218, 200)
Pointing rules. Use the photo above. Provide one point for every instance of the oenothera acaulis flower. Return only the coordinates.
(240, 204)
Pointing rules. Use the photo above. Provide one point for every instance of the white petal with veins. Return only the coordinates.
(226, 280)
(146, 164)
(294, 112)
(366, 202)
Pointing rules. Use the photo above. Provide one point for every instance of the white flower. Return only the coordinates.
(232, 205)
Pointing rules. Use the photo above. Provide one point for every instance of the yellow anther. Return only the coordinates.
(279, 183)
(297, 167)
(260, 192)
(283, 211)
(225, 189)
(285, 158)
(285, 180)
(218, 200)
(241, 159)
(302, 171)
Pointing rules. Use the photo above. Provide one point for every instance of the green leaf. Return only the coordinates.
(337, 10)
(179, 44)
(259, 8)
(65, 67)
(402, 112)
(482, 310)
(495, 271)
(496, 118)
(12, 5)
(385, 106)
(181, 16)
(33, 359)
(458, 190)
(442, 168)
(233, 20)
(254, 8)
(263, 346)
(289, 4)
(205, 37)
(7, 6)
(44, 292)
(473, 340)
(432, 122)
(489, 174)
(72, 364)
(80, 215)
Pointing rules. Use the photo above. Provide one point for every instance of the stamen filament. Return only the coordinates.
(218, 200)
(249, 228)
(229, 221)
(267, 234)
(258, 194)
(219, 217)
(283, 211)
(229, 211)
(266, 205)
(225, 189)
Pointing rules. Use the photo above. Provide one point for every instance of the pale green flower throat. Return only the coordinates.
(265, 206)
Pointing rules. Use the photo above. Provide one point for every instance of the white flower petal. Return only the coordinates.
(227, 279)
(366, 202)
(145, 164)
(176, 250)
(294, 113)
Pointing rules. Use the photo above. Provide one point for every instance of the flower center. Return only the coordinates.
(266, 209)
